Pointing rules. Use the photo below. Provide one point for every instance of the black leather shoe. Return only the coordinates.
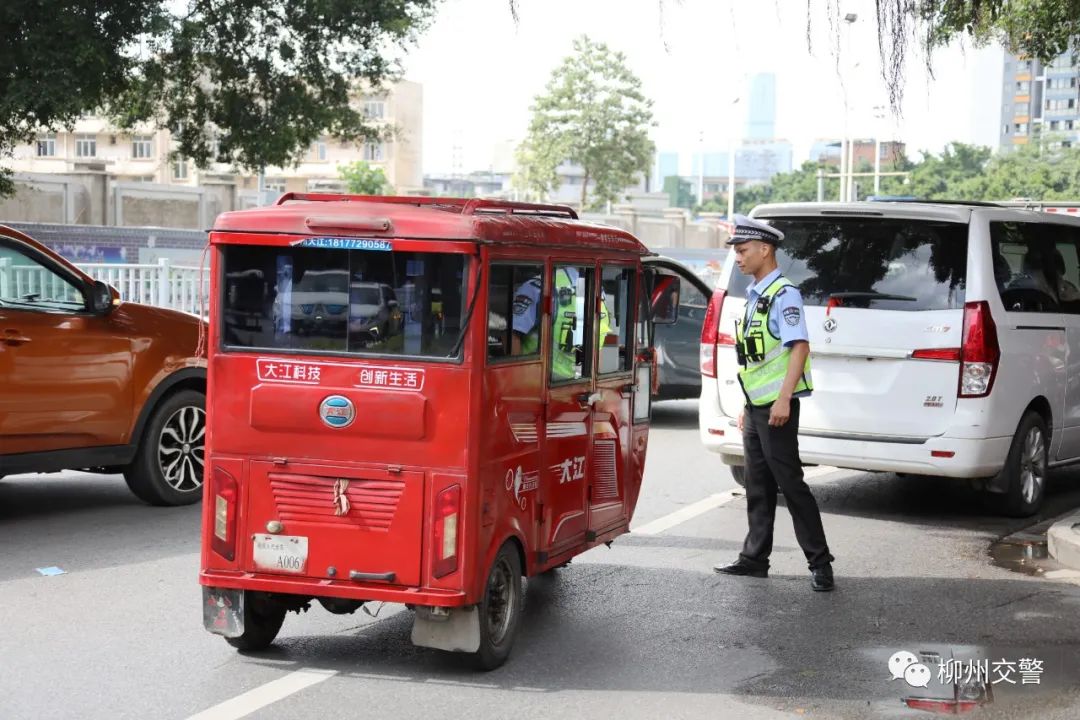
(821, 578)
(741, 568)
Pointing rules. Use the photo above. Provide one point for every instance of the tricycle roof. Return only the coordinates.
(492, 222)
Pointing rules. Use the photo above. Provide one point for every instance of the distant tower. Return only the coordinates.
(761, 108)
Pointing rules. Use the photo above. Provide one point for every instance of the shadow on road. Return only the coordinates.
(82, 521)
(935, 502)
(610, 628)
(675, 414)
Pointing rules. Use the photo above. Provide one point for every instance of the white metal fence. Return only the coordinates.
(163, 284)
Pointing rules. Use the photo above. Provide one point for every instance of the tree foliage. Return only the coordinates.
(679, 193)
(593, 114)
(1041, 29)
(362, 179)
(247, 82)
(1046, 169)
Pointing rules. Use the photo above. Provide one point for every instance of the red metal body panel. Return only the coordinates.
(366, 495)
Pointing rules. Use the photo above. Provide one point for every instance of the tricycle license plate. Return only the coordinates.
(281, 553)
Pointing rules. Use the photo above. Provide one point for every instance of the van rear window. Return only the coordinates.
(343, 301)
(880, 263)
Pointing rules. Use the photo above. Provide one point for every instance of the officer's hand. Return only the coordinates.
(742, 416)
(781, 411)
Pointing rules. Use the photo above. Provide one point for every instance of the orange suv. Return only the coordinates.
(90, 383)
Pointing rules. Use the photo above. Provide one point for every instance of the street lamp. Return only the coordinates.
(731, 167)
(879, 115)
(846, 152)
(701, 168)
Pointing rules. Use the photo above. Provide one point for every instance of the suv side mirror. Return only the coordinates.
(665, 304)
(101, 298)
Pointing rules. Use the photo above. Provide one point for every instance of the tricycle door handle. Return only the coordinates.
(357, 576)
(586, 399)
(14, 337)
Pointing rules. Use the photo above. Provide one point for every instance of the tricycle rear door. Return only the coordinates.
(611, 412)
(360, 524)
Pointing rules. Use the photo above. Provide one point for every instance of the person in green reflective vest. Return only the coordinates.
(566, 328)
(773, 347)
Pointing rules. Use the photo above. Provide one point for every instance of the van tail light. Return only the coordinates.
(445, 547)
(711, 337)
(980, 352)
(943, 707)
(940, 354)
(226, 495)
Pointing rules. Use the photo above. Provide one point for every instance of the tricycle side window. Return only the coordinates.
(616, 332)
(515, 293)
(643, 368)
(353, 302)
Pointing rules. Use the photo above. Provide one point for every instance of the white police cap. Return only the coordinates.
(747, 229)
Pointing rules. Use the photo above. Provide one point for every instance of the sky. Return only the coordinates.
(481, 71)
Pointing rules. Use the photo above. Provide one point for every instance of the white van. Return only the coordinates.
(945, 341)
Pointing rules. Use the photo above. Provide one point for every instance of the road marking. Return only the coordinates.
(713, 501)
(258, 698)
(687, 513)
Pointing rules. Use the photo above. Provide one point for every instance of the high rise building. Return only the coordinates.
(1041, 100)
(761, 108)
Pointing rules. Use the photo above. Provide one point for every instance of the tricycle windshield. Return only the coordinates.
(356, 302)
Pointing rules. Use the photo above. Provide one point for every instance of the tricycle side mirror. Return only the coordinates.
(665, 300)
(101, 298)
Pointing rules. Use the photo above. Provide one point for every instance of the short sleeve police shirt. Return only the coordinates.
(787, 320)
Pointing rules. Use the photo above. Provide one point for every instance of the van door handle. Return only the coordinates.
(585, 399)
(14, 338)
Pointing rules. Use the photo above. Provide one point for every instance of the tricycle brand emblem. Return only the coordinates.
(337, 411)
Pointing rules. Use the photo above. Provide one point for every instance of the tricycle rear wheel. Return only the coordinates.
(500, 609)
(262, 622)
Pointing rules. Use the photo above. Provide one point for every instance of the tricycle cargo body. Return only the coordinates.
(410, 397)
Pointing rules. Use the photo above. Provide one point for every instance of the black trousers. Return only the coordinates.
(772, 462)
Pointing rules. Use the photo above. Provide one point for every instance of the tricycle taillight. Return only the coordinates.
(226, 492)
(445, 547)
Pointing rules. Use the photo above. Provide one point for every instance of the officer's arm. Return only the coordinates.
(800, 350)
(790, 318)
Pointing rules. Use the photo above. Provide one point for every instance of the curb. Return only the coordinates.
(1063, 541)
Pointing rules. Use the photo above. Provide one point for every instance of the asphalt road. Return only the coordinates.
(644, 629)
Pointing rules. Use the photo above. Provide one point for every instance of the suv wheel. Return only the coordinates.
(1024, 474)
(738, 474)
(168, 466)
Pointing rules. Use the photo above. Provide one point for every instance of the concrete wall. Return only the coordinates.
(95, 243)
(673, 229)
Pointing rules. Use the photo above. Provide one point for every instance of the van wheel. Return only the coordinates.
(738, 474)
(1024, 474)
(262, 623)
(168, 466)
(500, 609)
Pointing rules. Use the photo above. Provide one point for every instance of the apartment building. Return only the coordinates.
(146, 154)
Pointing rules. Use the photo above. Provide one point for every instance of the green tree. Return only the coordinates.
(593, 114)
(362, 179)
(1042, 29)
(678, 192)
(247, 82)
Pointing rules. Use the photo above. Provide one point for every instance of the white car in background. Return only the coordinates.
(945, 341)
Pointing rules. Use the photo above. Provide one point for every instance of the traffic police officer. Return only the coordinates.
(526, 322)
(774, 351)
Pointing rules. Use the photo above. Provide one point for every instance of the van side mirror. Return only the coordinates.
(665, 304)
(100, 298)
